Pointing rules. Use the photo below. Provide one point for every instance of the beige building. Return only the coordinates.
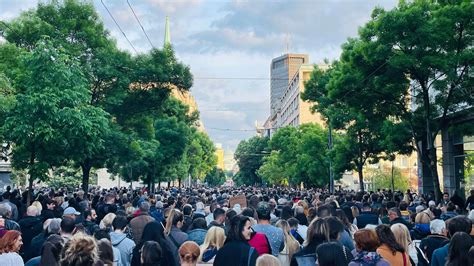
(220, 156)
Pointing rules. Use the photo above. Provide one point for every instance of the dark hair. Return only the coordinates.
(335, 227)
(387, 237)
(331, 254)
(302, 219)
(249, 212)
(119, 222)
(286, 213)
(218, 212)
(199, 223)
(153, 231)
(263, 211)
(324, 211)
(101, 234)
(51, 250)
(106, 253)
(187, 209)
(450, 207)
(458, 223)
(151, 253)
(365, 205)
(293, 222)
(318, 232)
(230, 214)
(237, 225)
(68, 225)
(343, 217)
(459, 247)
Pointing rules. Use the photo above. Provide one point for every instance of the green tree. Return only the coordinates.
(53, 100)
(249, 156)
(273, 171)
(382, 179)
(417, 59)
(216, 177)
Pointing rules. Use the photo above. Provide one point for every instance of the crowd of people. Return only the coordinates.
(234, 226)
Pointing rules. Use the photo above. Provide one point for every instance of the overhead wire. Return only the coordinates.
(118, 26)
(139, 23)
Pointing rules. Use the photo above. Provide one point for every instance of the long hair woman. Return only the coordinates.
(214, 241)
(236, 250)
(291, 244)
(80, 250)
(402, 235)
(318, 233)
(389, 248)
(152, 254)
(154, 231)
(10, 245)
(459, 247)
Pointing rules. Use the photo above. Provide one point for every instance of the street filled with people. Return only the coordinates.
(234, 226)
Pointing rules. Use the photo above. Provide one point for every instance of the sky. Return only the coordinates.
(229, 46)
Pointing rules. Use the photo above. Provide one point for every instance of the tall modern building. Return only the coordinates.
(282, 69)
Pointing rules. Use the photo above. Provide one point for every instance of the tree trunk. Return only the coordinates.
(360, 168)
(169, 184)
(433, 165)
(86, 170)
(179, 182)
(31, 178)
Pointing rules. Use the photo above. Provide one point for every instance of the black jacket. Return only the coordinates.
(30, 227)
(366, 218)
(236, 253)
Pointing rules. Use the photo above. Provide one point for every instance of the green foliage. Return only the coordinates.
(249, 156)
(382, 179)
(216, 177)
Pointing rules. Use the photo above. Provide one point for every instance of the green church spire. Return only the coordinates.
(167, 41)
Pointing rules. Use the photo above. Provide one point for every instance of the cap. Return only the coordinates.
(420, 208)
(70, 211)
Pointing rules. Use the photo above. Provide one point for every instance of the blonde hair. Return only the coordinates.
(291, 244)
(402, 235)
(107, 221)
(305, 206)
(268, 260)
(215, 237)
(38, 206)
(80, 250)
(422, 218)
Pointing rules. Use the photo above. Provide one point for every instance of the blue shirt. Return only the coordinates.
(275, 236)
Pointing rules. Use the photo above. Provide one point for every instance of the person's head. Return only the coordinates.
(101, 234)
(284, 225)
(286, 212)
(318, 232)
(175, 218)
(189, 253)
(32, 211)
(54, 226)
(106, 222)
(366, 240)
(366, 207)
(402, 235)
(215, 237)
(249, 212)
(219, 215)
(151, 253)
(458, 223)
(187, 209)
(386, 237)
(144, 207)
(51, 250)
(422, 218)
(438, 226)
(120, 223)
(240, 229)
(70, 212)
(267, 260)
(263, 211)
(90, 215)
(335, 227)
(324, 211)
(11, 242)
(459, 247)
(199, 223)
(445, 196)
(331, 254)
(106, 253)
(5, 210)
(81, 250)
(293, 223)
(393, 213)
(67, 226)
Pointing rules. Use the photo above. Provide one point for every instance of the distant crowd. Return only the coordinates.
(241, 226)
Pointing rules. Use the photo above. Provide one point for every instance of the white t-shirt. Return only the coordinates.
(11, 259)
